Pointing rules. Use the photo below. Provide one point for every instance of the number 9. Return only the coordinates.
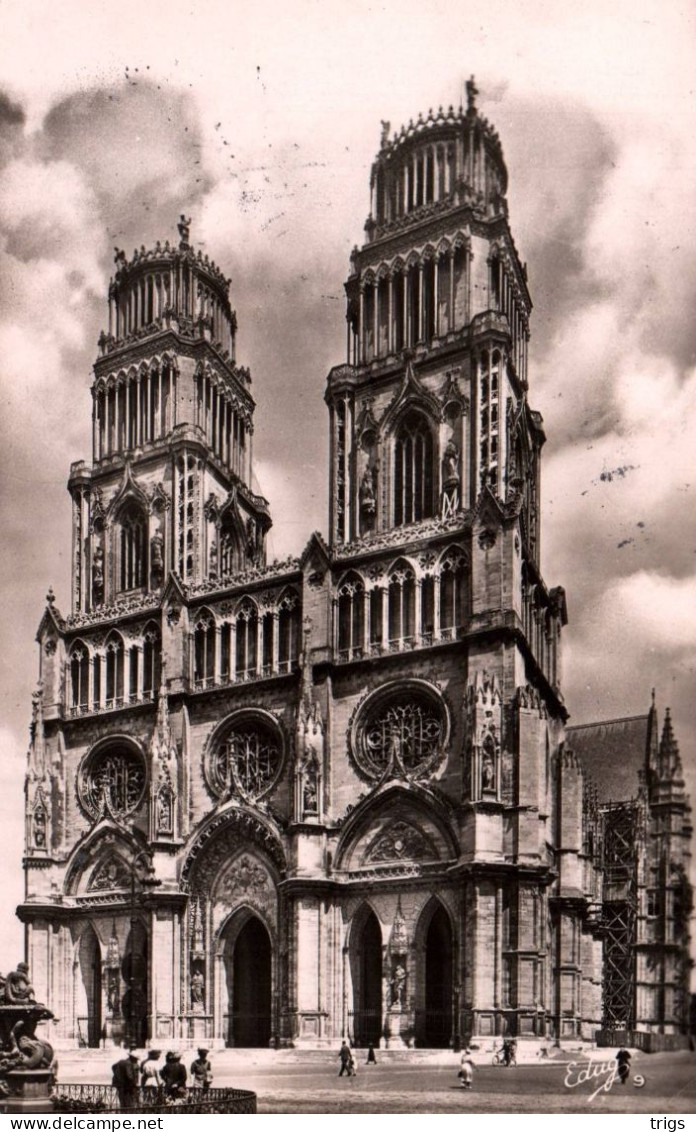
(638, 1081)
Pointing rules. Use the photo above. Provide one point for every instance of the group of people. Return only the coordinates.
(170, 1080)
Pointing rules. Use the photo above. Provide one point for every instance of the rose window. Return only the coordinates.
(248, 759)
(402, 736)
(116, 779)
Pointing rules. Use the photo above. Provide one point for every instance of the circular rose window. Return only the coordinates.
(247, 758)
(401, 733)
(114, 778)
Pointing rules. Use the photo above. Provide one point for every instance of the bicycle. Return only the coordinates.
(506, 1056)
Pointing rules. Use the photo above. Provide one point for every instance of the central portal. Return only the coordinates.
(368, 1016)
(249, 985)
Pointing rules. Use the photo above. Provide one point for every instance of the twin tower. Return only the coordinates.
(285, 803)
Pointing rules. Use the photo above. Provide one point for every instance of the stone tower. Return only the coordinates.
(439, 603)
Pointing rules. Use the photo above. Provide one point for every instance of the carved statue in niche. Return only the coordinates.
(113, 996)
(450, 472)
(251, 539)
(98, 573)
(157, 558)
(213, 562)
(310, 802)
(164, 809)
(39, 828)
(397, 986)
(197, 990)
(368, 496)
(488, 765)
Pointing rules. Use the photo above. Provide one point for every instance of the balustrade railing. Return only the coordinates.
(113, 703)
(244, 675)
(397, 645)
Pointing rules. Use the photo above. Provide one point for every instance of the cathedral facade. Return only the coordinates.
(331, 796)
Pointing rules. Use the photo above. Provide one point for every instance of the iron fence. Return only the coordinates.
(104, 1098)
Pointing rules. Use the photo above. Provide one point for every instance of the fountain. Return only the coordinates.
(27, 1065)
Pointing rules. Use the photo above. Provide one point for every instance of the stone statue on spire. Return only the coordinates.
(184, 228)
(471, 92)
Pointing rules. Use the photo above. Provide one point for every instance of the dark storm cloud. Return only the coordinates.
(11, 113)
(12, 120)
(139, 146)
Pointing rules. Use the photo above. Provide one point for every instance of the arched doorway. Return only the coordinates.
(367, 975)
(135, 976)
(248, 967)
(437, 1021)
(90, 1026)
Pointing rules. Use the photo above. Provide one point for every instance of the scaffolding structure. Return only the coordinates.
(620, 909)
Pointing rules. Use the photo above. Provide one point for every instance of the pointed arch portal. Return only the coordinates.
(89, 958)
(248, 971)
(437, 1022)
(135, 976)
(367, 983)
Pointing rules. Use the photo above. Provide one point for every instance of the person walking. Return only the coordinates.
(371, 1059)
(201, 1071)
(345, 1056)
(125, 1081)
(466, 1071)
(624, 1059)
(352, 1065)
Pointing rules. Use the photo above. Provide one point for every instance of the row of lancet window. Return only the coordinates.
(405, 612)
(227, 433)
(503, 298)
(427, 177)
(489, 418)
(409, 304)
(115, 675)
(133, 410)
(178, 290)
(413, 467)
(542, 630)
(252, 644)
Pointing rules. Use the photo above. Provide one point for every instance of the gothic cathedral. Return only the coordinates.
(333, 796)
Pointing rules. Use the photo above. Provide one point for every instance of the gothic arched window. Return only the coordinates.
(247, 757)
(231, 553)
(79, 682)
(204, 650)
(247, 638)
(351, 617)
(453, 591)
(414, 496)
(288, 632)
(489, 403)
(114, 671)
(115, 774)
(402, 605)
(132, 546)
(401, 732)
(151, 660)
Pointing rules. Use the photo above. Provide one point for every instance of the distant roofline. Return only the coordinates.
(604, 722)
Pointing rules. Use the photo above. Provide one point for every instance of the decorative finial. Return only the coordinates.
(471, 92)
(119, 257)
(50, 596)
(386, 126)
(184, 227)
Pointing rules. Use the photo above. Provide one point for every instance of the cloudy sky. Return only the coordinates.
(260, 120)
